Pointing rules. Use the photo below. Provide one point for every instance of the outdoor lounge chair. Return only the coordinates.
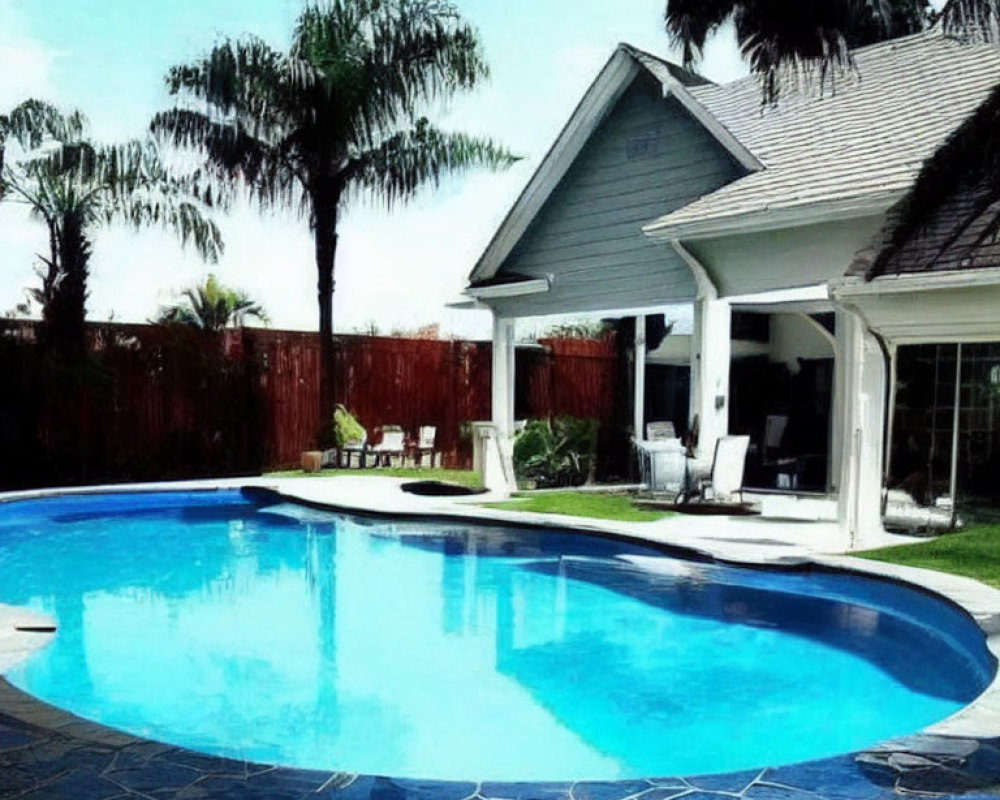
(725, 483)
(426, 437)
(354, 447)
(392, 444)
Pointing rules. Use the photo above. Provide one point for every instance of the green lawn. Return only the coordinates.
(459, 476)
(602, 505)
(974, 552)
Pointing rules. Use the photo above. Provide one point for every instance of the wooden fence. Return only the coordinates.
(159, 402)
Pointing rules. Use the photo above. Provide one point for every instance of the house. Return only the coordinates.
(664, 188)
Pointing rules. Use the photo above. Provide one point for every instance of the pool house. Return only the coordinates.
(665, 192)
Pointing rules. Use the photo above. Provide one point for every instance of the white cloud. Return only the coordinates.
(24, 62)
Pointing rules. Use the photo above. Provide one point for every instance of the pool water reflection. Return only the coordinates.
(246, 627)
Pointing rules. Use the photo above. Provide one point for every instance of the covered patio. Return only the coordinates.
(665, 189)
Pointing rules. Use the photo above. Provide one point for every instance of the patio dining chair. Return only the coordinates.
(392, 444)
(661, 432)
(354, 448)
(426, 438)
(725, 482)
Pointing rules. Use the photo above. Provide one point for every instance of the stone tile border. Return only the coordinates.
(46, 752)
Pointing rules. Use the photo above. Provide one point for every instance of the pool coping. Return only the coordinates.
(956, 756)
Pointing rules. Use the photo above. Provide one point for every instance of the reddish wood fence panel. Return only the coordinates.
(174, 402)
(286, 366)
(575, 377)
(414, 382)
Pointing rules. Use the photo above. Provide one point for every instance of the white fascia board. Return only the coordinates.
(603, 93)
(773, 219)
(467, 304)
(513, 289)
(672, 86)
(857, 286)
(813, 299)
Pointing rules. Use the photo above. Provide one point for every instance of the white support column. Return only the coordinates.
(860, 498)
(498, 465)
(841, 393)
(503, 375)
(710, 359)
(639, 405)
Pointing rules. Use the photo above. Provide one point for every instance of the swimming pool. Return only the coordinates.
(239, 625)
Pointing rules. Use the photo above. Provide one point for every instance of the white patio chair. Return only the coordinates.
(352, 448)
(426, 437)
(392, 444)
(661, 433)
(726, 480)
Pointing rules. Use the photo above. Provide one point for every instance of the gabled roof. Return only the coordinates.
(851, 149)
(617, 75)
(961, 234)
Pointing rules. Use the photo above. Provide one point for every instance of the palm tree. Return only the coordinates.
(778, 38)
(333, 119)
(210, 306)
(75, 186)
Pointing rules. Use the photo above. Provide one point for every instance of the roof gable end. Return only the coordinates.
(625, 64)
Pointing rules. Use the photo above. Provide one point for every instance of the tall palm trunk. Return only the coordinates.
(325, 219)
(65, 288)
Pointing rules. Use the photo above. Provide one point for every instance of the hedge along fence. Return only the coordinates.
(154, 403)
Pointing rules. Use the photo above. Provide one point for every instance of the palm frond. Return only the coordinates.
(211, 306)
(790, 43)
(237, 78)
(689, 23)
(977, 20)
(403, 163)
(31, 122)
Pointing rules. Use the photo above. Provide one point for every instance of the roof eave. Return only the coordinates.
(511, 289)
(851, 286)
(766, 219)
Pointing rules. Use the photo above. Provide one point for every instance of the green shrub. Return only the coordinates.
(343, 428)
(557, 453)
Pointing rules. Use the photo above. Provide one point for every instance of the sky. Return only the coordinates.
(395, 270)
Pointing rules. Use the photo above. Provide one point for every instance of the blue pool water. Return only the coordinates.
(275, 633)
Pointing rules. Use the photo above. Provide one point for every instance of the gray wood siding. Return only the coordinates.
(649, 157)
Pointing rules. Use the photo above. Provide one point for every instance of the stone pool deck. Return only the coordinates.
(48, 753)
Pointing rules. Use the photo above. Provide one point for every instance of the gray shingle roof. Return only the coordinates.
(863, 140)
(961, 234)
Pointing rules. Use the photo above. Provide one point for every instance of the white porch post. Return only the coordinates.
(498, 448)
(841, 394)
(503, 375)
(860, 499)
(711, 351)
(639, 404)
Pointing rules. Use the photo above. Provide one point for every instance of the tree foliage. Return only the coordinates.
(557, 452)
(211, 306)
(74, 186)
(783, 40)
(336, 117)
